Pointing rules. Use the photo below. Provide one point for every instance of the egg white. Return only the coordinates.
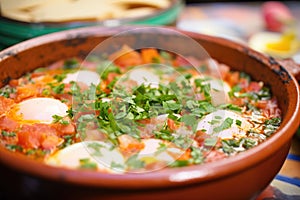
(97, 152)
(39, 110)
(219, 92)
(215, 119)
(143, 76)
(218, 89)
(83, 76)
(151, 151)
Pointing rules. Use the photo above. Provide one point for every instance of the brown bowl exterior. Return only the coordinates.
(243, 176)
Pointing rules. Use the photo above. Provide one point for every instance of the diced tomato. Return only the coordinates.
(35, 136)
(186, 155)
(271, 109)
(126, 57)
(14, 83)
(239, 101)
(224, 70)
(95, 134)
(147, 127)
(8, 124)
(172, 125)
(103, 86)
(233, 78)
(129, 59)
(111, 77)
(129, 145)
(37, 74)
(50, 142)
(5, 104)
(200, 137)
(89, 64)
(148, 55)
(64, 129)
(25, 92)
(261, 104)
(67, 98)
(29, 139)
(189, 61)
(243, 83)
(144, 121)
(254, 87)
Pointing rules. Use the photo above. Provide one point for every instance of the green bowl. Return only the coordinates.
(13, 31)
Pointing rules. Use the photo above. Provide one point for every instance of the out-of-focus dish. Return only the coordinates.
(17, 23)
(79, 10)
(278, 45)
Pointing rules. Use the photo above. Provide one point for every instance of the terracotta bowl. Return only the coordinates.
(243, 176)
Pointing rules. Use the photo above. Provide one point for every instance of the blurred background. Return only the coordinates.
(267, 26)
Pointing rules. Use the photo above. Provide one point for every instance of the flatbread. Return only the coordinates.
(137, 12)
(20, 4)
(17, 15)
(157, 3)
(78, 10)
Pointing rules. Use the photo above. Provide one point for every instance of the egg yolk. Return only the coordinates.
(287, 43)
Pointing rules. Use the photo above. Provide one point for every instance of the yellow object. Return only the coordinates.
(148, 159)
(285, 46)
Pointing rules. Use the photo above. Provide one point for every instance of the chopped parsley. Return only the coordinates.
(71, 64)
(86, 163)
(230, 146)
(204, 87)
(180, 163)
(225, 125)
(231, 107)
(189, 120)
(110, 69)
(197, 156)
(162, 147)
(7, 90)
(211, 141)
(59, 77)
(58, 89)
(60, 119)
(164, 135)
(271, 125)
(97, 149)
(238, 122)
(37, 152)
(116, 166)
(234, 91)
(133, 162)
(7, 133)
(68, 140)
(14, 147)
(46, 92)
